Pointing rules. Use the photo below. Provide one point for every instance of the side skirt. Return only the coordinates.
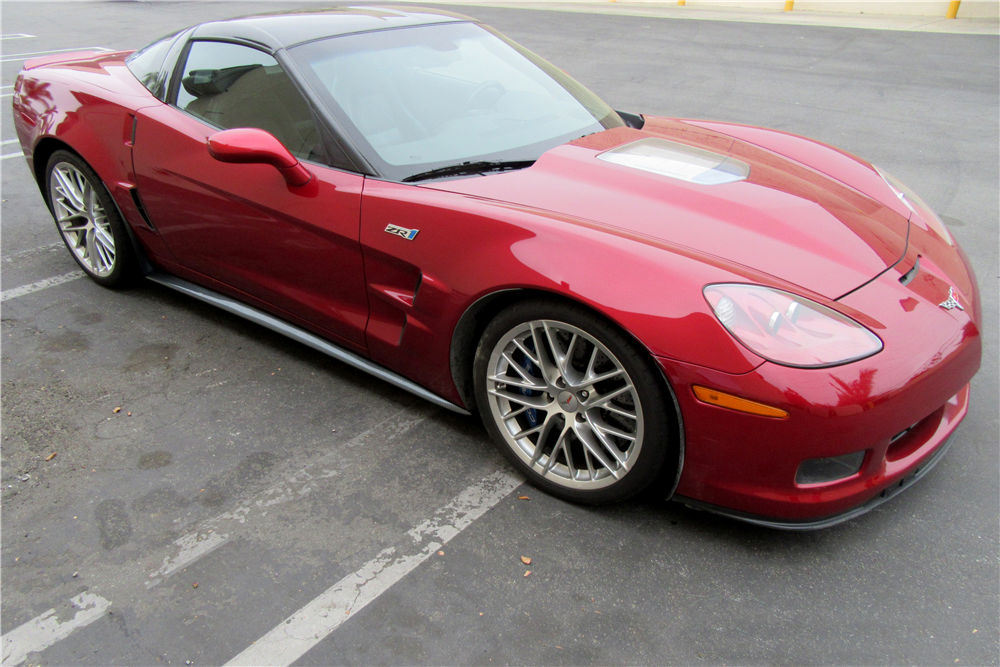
(301, 335)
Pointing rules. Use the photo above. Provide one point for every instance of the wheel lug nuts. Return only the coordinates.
(561, 383)
(584, 395)
(580, 417)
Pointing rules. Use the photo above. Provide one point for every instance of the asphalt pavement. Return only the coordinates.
(253, 500)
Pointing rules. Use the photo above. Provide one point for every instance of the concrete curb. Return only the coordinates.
(670, 10)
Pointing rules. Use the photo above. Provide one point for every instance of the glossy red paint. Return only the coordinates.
(848, 169)
(242, 225)
(810, 219)
(786, 220)
(841, 410)
(470, 247)
(834, 411)
(88, 104)
(252, 146)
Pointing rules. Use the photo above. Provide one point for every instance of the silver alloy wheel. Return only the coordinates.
(564, 404)
(82, 219)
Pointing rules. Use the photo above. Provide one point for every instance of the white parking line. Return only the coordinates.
(7, 142)
(13, 57)
(43, 631)
(291, 638)
(191, 547)
(323, 615)
(215, 532)
(10, 155)
(17, 35)
(15, 292)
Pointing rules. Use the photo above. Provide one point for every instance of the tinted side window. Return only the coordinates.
(229, 86)
(146, 63)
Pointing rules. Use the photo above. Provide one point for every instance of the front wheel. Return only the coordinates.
(88, 220)
(572, 403)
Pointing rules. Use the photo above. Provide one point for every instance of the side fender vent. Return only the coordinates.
(142, 209)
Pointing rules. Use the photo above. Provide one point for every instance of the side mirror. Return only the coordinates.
(247, 145)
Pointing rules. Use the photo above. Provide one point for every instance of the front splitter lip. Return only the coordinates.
(885, 495)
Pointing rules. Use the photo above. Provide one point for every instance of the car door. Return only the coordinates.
(240, 228)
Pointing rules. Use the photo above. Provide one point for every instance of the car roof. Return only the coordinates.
(287, 29)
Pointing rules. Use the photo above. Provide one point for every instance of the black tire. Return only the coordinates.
(112, 265)
(590, 347)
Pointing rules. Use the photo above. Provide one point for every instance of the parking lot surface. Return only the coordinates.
(254, 501)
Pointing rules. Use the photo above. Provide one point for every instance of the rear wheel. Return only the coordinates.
(571, 402)
(88, 220)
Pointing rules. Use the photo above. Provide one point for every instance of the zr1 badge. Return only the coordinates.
(408, 234)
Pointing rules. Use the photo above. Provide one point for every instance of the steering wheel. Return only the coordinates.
(485, 95)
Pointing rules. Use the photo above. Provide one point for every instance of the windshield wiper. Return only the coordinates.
(481, 167)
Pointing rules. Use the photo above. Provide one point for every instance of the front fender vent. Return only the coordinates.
(142, 209)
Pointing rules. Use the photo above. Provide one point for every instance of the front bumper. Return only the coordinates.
(900, 407)
(954, 412)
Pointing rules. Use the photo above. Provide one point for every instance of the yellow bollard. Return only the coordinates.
(789, 4)
(681, 3)
(953, 9)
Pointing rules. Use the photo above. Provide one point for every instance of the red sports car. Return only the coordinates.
(740, 319)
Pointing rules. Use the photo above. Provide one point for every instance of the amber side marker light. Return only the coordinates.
(724, 400)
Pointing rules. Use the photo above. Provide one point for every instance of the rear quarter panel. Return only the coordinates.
(87, 104)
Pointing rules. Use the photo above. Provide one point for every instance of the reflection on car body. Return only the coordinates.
(740, 319)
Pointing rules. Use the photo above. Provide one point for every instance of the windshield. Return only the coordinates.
(418, 99)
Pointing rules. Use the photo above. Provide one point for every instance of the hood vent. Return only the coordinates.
(686, 163)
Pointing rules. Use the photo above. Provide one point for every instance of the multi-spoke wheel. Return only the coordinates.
(88, 220)
(571, 402)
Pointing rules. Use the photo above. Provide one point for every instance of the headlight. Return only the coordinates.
(789, 329)
(917, 205)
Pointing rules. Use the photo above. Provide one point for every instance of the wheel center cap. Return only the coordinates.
(567, 401)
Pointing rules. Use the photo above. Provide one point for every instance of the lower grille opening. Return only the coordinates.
(909, 440)
(901, 434)
(821, 471)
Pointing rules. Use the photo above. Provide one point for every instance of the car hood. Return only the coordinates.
(784, 218)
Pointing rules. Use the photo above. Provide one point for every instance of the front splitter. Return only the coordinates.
(816, 524)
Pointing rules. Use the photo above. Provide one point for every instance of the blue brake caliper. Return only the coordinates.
(529, 366)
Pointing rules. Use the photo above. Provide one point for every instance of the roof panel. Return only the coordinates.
(287, 29)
